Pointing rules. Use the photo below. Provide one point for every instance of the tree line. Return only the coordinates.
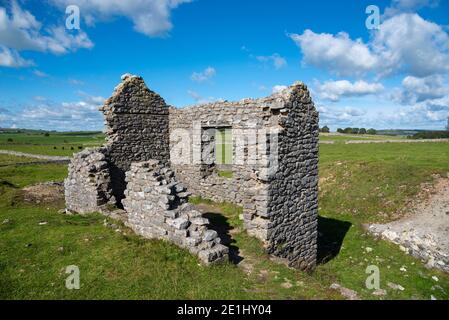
(348, 130)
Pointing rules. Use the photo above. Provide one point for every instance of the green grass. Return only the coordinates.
(341, 138)
(358, 184)
(371, 183)
(56, 144)
(228, 174)
(53, 138)
(6, 159)
(61, 150)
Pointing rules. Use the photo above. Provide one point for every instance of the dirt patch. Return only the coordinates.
(424, 229)
(48, 192)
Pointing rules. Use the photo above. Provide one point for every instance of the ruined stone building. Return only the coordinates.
(261, 154)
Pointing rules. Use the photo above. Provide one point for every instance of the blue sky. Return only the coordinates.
(204, 50)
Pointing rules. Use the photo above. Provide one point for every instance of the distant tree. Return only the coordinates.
(355, 131)
(325, 129)
(46, 134)
(362, 131)
(347, 130)
(10, 140)
(372, 131)
(431, 135)
(340, 130)
(447, 126)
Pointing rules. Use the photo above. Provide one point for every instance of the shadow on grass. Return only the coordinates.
(220, 223)
(7, 184)
(331, 233)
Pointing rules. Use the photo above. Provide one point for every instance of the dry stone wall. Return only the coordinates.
(157, 207)
(88, 186)
(293, 191)
(273, 173)
(276, 182)
(247, 187)
(136, 129)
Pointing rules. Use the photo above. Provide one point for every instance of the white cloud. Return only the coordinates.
(408, 43)
(341, 116)
(278, 88)
(10, 58)
(425, 115)
(150, 17)
(277, 61)
(334, 90)
(399, 6)
(205, 75)
(76, 82)
(80, 115)
(415, 90)
(200, 99)
(405, 43)
(19, 30)
(40, 74)
(338, 54)
(40, 98)
(431, 115)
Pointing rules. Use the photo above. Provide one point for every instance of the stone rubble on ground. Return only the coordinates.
(424, 233)
(158, 208)
(345, 292)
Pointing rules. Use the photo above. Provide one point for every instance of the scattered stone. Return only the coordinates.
(379, 293)
(345, 292)
(46, 192)
(423, 233)
(435, 278)
(43, 223)
(6, 221)
(395, 286)
(368, 249)
(403, 269)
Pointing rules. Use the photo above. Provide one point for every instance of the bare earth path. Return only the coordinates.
(425, 232)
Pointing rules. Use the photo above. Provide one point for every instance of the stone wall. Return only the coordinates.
(276, 182)
(157, 207)
(273, 174)
(136, 129)
(293, 191)
(88, 186)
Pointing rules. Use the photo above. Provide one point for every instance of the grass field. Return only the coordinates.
(56, 144)
(358, 184)
(346, 137)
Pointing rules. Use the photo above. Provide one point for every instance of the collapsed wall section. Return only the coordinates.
(157, 208)
(88, 185)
